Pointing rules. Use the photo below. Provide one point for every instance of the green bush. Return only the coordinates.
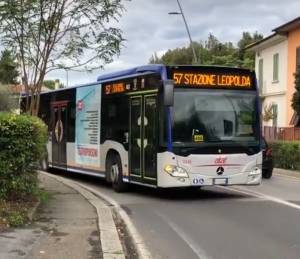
(16, 219)
(8, 101)
(286, 155)
(22, 143)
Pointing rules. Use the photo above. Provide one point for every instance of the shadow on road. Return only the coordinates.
(191, 193)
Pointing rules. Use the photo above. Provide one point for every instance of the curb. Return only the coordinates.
(108, 234)
(142, 250)
(287, 173)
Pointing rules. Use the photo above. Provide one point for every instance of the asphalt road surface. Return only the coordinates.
(216, 222)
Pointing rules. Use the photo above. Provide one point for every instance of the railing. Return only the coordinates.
(281, 133)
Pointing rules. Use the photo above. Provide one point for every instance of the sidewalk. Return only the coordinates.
(66, 226)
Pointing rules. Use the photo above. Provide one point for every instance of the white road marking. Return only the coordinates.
(262, 196)
(189, 241)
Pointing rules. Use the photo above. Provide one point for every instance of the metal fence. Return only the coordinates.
(281, 133)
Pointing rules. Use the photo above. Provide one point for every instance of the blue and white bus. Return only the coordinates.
(158, 126)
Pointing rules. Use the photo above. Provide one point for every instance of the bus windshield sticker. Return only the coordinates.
(198, 138)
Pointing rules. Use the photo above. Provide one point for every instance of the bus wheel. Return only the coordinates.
(267, 174)
(115, 171)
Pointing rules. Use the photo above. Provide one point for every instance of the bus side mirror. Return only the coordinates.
(168, 92)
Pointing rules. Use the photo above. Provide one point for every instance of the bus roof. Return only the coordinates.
(161, 69)
(145, 69)
(157, 68)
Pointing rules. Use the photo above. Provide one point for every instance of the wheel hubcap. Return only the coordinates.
(114, 173)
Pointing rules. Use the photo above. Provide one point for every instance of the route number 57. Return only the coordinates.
(177, 78)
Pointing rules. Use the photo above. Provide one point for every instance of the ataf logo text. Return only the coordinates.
(221, 160)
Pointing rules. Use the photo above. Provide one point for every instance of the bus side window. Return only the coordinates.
(71, 124)
(115, 119)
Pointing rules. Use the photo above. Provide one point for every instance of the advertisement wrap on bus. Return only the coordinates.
(87, 140)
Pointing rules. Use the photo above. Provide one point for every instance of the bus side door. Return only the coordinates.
(143, 136)
(59, 134)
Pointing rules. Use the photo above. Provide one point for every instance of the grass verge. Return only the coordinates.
(15, 213)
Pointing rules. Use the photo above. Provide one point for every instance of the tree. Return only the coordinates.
(154, 59)
(8, 68)
(50, 84)
(296, 96)
(213, 52)
(56, 34)
(246, 57)
(8, 102)
(268, 113)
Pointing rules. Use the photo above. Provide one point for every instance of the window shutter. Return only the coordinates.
(275, 66)
(260, 75)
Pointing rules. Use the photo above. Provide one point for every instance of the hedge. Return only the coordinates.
(286, 155)
(22, 144)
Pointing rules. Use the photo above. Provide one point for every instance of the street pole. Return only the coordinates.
(67, 71)
(187, 29)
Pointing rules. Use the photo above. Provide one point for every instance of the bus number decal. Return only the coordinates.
(178, 77)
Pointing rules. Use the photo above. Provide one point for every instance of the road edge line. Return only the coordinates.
(262, 196)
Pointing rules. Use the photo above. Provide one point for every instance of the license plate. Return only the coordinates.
(221, 181)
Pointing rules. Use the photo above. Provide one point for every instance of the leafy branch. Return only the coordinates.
(54, 34)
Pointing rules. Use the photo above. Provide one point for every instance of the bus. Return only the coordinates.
(158, 126)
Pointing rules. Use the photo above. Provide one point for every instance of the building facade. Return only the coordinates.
(276, 60)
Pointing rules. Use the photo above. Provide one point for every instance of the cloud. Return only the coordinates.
(149, 29)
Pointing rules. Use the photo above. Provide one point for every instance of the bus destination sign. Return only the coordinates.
(130, 85)
(211, 80)
(115, 88)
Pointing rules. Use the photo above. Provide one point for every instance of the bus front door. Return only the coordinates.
(143, 135)
(59, 138)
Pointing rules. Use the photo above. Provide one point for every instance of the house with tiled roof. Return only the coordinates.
(277, 57)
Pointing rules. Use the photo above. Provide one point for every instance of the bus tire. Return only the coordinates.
(114, 169)
(267, 174)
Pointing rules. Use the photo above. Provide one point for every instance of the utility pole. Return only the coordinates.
(187, 29)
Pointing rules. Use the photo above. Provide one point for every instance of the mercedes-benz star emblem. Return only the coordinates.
(220, 170)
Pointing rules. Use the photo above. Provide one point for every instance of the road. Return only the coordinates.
(215, 222)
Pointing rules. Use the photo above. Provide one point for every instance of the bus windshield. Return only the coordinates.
(210, 116)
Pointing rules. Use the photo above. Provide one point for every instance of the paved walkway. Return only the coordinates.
(66, 227)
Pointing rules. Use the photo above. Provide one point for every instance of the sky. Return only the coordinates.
(148, 28)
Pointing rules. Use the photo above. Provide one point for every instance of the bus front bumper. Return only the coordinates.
(197, 179)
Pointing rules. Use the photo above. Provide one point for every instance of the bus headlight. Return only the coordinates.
(255, 170)
(176, 171)
(254, 176)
